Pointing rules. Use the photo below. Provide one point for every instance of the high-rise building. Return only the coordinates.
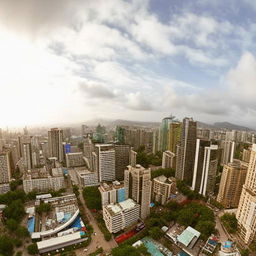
(186, 151)
(228, 148)
(133, 158)
(27, 155)
(246, 155)
(88, 150)
(112, 193)
(163, 188)
(121, 215)
(164, 133)
(122, 159)
(205, 167)
(231, 184)
(5, 167)
(246, 212)
(55, 144)
(106, 161)
(156, 142)
(168, 159)
(174, 135)
(120, 134)
(137, 183)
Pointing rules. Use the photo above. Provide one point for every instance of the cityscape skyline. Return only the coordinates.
(91, 59)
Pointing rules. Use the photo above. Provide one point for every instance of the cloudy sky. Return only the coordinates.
(67, 61)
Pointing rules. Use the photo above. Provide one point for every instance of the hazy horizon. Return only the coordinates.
(67, 61)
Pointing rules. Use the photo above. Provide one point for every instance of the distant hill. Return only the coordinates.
(230, 126)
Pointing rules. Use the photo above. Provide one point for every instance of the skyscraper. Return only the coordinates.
(5, 168)
(246, 212)
(231, 184)
(137, 183)
(186, 151)
(27, 155)
(205, 167)
(228, 147)
(174, 135)
(55, 144)
(106, 161)
(164, 133)
(122, 159)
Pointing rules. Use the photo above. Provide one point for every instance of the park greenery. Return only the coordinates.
(32, 249)
(125, 250)
(230, 222)
(43, 208)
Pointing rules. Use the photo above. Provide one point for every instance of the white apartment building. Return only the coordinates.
(228, 147)
(246, 212)
(40, 180)
(168, 159)
(106, 162)
(86, 177)
(121, 215)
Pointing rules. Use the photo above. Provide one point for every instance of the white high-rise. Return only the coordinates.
(55, 144)
(106, 161)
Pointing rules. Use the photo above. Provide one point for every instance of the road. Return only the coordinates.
(223, 235)
(98, 240)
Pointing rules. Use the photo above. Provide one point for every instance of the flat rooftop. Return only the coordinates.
(122, 206)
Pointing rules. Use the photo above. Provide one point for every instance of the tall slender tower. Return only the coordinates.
(55, 144)
(205, 167)
(246, 212)
(137, 183)
(27, 155)
(174, 136)
(186, 151)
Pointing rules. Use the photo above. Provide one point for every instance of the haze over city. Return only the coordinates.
(70, 61)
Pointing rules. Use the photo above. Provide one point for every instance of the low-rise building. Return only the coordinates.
(229, 248)
(86, 177)
(40, 180)
(163, 188)
(75, 159)
(121, 215)
(112, 192)
(4, 188)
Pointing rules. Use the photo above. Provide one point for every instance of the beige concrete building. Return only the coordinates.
(5, 168)
(75, 159)
(246, 155)
(168, 159)
(112, 192)
(133, 158)
(121, 215)
(246, 213)
(174, 135)
(163, 188)
(231, 184)
(228, 147)
(137, 183)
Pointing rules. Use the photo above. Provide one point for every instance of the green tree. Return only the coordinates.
(15, 210)
(125, 250)
(12, 224)
(32, 249)
(22, 232)
(43, 207)
(92, 197)
(230, 222)
(6, 246)
(206, 228)
(156, 233)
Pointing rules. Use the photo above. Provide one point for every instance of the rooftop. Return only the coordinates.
(188, 235)
(122, 206)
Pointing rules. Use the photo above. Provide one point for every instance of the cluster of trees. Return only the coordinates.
(43, 208)
(145, 159)
(185, 190)
(92, 198)
(166, 172)
(125, 250)
(230, 222)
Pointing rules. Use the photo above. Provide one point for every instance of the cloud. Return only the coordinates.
(137, 101)
(96, 90)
